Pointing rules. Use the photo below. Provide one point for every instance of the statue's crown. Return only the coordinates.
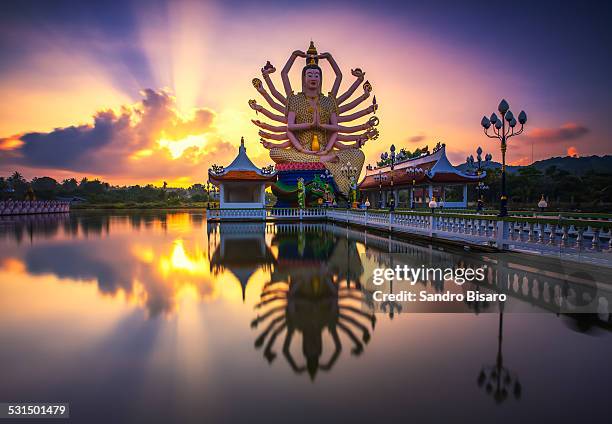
(312, 55)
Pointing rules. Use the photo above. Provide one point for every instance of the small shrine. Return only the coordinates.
(413, 182)
(242, 184)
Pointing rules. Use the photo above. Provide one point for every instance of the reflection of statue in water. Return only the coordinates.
(497, 379)
(312, 133)
(304, 296)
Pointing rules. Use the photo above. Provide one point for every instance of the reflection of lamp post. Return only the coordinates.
(391, 304)
(503, 129)
(542, 204)
(497, 379)
(481, 186)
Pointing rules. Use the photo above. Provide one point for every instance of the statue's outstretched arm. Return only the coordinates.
(266, 126)
(344, 97)
(287, 68)
(337, 71)
(265, 72)
(355, 102)
(269, 145)
(357, 115)
(270, 136)
(260, 88)
(346, 137)
(259, 108)
(343, 129)
(357, 144)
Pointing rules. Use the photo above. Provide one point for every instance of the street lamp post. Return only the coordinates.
(481, 186)
(413, 172)
(380, 188)
(503, 129)
(380, 178)
(391, 157)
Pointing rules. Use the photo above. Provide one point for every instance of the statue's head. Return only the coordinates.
(312, 74)
(311, 77)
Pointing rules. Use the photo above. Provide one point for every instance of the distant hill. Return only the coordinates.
(575, 165)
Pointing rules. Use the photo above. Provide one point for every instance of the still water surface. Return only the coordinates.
(159, 317)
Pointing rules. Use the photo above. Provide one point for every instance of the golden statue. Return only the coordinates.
(312, 130)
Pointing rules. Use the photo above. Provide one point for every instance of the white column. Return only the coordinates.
(465, 196)
(411, 196)
(221, 196)
(430, 189)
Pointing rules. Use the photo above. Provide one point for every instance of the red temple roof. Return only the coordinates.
(430, 168)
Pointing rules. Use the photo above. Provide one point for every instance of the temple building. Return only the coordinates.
(414, 182)
(241, 184)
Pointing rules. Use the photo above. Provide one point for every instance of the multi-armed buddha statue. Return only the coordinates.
(311, 137)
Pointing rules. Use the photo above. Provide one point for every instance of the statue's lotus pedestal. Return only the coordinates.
(320, 188)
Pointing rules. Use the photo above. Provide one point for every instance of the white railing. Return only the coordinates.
(540, 234)
(274, 214)
(236, 214)
(29, 207)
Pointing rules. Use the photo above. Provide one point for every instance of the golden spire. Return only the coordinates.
(311, 54)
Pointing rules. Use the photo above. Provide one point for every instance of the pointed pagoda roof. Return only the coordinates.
(241, 169)
(432, 167)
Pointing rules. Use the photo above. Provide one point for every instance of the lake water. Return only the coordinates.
(159, 317)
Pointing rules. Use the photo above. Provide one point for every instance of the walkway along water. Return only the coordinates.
(581, 240)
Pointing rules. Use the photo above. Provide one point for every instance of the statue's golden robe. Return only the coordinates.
(299, 104)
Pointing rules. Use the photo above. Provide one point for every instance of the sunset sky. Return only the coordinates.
(146, 91)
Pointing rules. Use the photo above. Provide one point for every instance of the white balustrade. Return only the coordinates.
(28, 207)
(514, 232)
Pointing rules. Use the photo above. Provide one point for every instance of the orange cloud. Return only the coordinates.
(11, 143)
(148, 140)
(522, 161)
(566, 132)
